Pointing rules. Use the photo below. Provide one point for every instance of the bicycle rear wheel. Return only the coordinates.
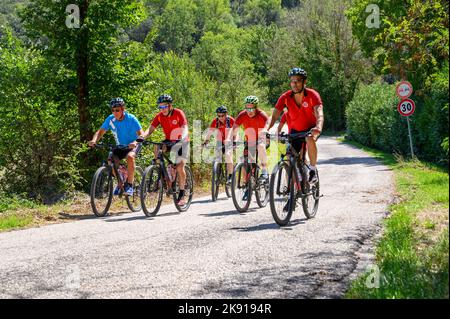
(188, 190)
(281, 190)
(311, 195)
(241, 188)
(151, 190)
(134, 202)
(101, 191)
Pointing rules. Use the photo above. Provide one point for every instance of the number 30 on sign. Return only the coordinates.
(406, 107)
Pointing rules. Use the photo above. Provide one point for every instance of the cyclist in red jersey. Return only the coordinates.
(223, 124)
(306, 114)
(175, 126)
(254, 121)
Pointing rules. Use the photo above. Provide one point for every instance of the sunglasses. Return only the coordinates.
(116, 110)
(250, 109)
(163, 107)
(221, 115)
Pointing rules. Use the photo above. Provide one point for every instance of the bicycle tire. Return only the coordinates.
(287, 189)
(151, 186)
(99, 174)
(235, 183)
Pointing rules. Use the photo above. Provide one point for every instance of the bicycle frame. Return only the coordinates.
(162, 164)
(296, 160)
(253, 166)
(113, 164)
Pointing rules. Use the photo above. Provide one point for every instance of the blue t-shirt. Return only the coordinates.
(124, 131)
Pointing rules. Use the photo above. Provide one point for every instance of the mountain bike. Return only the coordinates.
(160, 178)
(105, 179)
(289, 182)
(219, 174)
(245, 180)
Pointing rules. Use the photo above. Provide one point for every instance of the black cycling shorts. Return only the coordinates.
(181, 147)
(298, 142)
(122, 152)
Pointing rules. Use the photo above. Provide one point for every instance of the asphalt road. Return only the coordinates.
(211, 251)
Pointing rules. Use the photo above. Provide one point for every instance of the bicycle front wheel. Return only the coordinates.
(151, 190)
(281, 192)
(134, 201)
(101, 191)
(241, 188)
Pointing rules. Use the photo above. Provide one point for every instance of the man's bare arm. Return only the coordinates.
(275, 115)
(318, 112)
(97, 137)
(148, 132)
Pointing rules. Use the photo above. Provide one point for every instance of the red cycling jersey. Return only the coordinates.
(171, 124)
(302, 117)
(252, 125)
(223, 128)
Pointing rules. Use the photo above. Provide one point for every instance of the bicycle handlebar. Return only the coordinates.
(283, 138)
(110, 146)
(144, 142)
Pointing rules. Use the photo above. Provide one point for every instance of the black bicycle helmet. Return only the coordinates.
(222, 109)
(117, 101)
(299, 72)
(165, 98)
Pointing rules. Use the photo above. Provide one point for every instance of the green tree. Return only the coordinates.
(37, 134)
(263, 12)
(223, 57)
(412, 40)
(177, 27)
(89, 53)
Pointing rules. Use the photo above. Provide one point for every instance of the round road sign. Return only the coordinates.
(406, 107)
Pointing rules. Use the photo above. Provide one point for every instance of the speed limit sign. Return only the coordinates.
(406, 107)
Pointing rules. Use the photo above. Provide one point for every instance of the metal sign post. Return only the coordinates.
(410, 137)
(406, 108)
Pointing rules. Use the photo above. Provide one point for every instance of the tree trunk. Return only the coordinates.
(82, 75)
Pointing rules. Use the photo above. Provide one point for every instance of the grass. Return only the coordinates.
(8, 203)
(413, 252)
(14, 221)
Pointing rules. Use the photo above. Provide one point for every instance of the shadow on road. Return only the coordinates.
(303, 278)
(140, 217)
(368, 161)
(229, 212)
(88, 216)
(128, 219)
(209, 200)
(270, 226)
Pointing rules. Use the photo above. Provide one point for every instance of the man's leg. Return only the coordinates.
(180, 161)
(229, 161)
(262, 154)
(181, 173)
(116, 162)
(131, 164)
(312, 154)
(312, 150)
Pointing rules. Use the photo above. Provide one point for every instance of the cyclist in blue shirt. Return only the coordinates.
(126, 128)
